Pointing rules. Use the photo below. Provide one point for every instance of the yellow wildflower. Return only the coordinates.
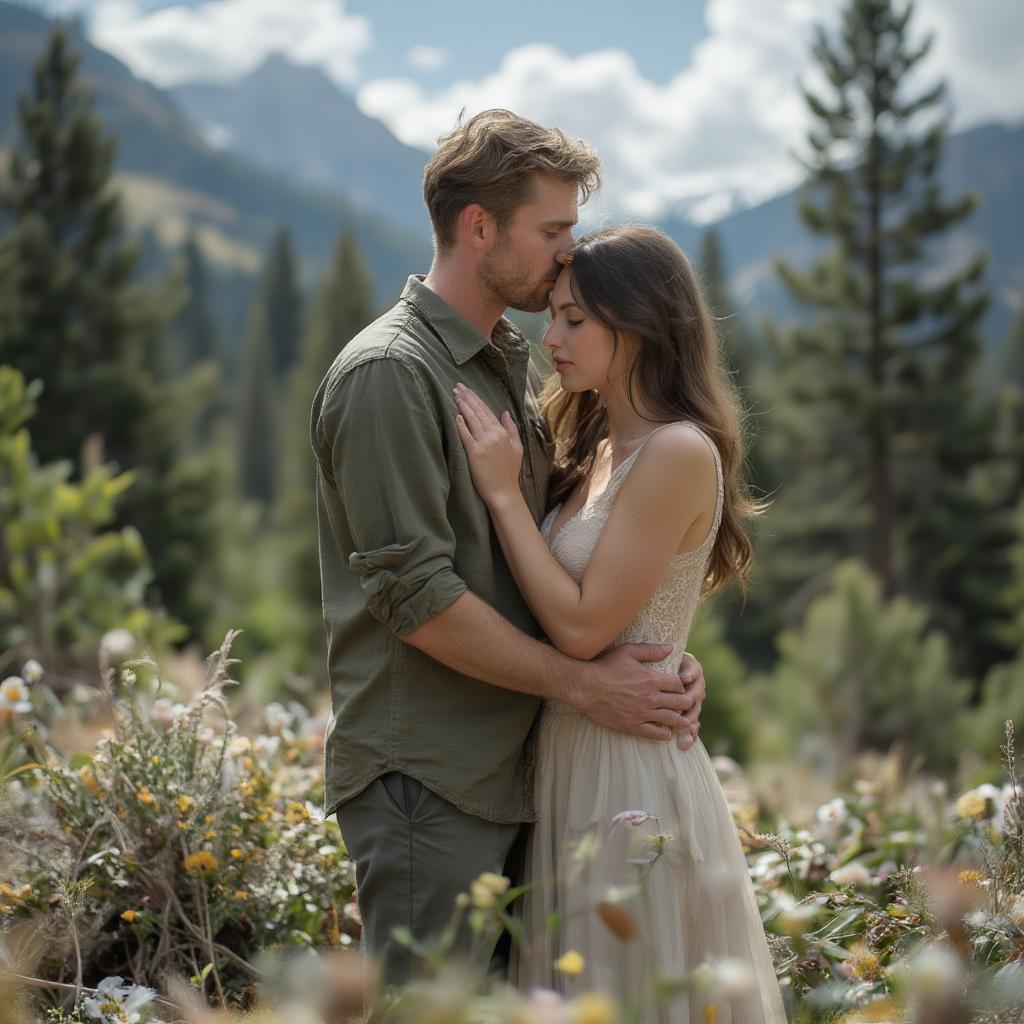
(202, 862)
(593, 1008)
(878, 1010)
(295, 812)
(971, 805)
(570, 963)
(185, 803)
(8, 892)
(242, 895)
(236, 854)
(145, 797)
(482, 896)
(154, 760)
(88, 777)
(129, 915)
(209, 819)
(498, 884)
(211, 833)
(864, 964)
(486, 889)
(264, 816)
(183, 825)
(970, 877)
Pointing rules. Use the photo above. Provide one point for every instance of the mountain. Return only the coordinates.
(172, 179)
(988, 159)
(293, 120)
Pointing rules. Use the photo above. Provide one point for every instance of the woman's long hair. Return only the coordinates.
(636, 281)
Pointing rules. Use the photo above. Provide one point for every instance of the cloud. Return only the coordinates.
(222, 39)
(724, 129)
(427, 58)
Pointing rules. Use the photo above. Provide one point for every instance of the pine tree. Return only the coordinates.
(192, 336)
(886, 410)
(1010, 403)
(344, 306)
(70, 314)
(283, 301)
(73, 316)
(735, 336)
(269, 351)
(257, 415)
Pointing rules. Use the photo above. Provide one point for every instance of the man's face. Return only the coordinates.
(522, 265)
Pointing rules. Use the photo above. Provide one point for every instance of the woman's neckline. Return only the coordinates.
(593, 502)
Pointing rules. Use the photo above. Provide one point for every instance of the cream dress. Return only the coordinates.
(679, 876)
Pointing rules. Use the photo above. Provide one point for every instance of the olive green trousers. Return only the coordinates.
(414, 852)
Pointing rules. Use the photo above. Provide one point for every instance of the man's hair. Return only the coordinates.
(492, 159)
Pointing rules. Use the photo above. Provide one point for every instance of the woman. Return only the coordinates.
(648, 512)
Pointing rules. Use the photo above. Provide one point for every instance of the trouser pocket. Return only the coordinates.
(405, 793)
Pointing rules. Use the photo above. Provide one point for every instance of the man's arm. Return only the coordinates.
(615, 691)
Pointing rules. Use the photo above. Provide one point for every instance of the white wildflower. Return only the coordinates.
(1017, 912)
(1007, 796)
(835, 812)
(724, 979)
(31, 671)
(118, 644)
(1008, 985)
(543, 1006)
(14, 696)
(854, 873)
(634, 818)
(266, 747)
(935, 973)
(239, 745)
(277, 719)
(118, 1003)
(799, 919)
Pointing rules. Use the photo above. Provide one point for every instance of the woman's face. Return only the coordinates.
(584, 350)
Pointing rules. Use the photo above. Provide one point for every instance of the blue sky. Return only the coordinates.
(477, 35)
(693, 105)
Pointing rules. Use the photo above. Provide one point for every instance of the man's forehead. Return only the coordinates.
(553, 200)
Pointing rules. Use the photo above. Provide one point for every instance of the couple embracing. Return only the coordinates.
(466, 514)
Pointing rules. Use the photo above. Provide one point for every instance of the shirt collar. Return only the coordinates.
(460, 337)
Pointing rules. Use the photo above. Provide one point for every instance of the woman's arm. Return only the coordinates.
(666, 502)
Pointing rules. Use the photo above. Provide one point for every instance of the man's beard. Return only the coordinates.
(512, 284)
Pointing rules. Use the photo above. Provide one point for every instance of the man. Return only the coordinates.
(436, 668)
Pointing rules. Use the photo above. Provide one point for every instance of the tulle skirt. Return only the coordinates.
(644, 897)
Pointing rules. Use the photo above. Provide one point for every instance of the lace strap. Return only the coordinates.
(621, 472)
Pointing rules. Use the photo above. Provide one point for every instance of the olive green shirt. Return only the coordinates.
(402, 535)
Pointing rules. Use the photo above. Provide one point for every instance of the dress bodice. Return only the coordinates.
(668, 614)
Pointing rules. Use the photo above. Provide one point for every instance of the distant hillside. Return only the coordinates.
(173, 177)
(988, 159)
(293, 120)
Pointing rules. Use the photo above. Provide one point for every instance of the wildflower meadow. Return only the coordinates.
(158, 860)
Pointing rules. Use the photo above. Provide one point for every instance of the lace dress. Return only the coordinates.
(680, 875)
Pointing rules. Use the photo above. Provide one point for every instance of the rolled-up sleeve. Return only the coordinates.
(382, 440)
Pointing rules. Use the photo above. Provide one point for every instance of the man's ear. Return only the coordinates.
(476, 226)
